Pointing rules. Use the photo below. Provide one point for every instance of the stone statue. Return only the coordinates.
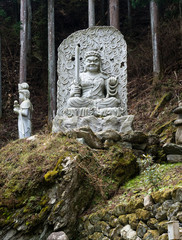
(93, 88)
(24, 111)
(92, 81)
(178, 124)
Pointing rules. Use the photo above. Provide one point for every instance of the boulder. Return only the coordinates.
(89, 137)
(128, 233)
(172, 148)
(142, 228)
(151, 235)
(58, 236)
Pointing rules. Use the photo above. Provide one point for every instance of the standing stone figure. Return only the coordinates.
(24, 110)
(178, 124)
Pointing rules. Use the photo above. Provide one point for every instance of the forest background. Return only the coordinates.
(143, 94)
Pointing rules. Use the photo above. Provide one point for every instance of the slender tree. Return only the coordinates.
(0, 83)
(29, 21)
(129, 13)
(180, 16)
(51, 63)
(23, 41)
(114, 13)
(91, 13)
(154, 32)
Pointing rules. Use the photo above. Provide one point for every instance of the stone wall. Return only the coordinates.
(137, 219)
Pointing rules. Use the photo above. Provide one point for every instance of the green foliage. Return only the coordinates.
(150, 171)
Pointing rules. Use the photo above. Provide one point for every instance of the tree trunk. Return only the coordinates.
(91, 13)
(129, 14)
(0, 83)
(23, 42)
(51, 63)
(29, 21)
(102, 7)
(114, 13)
(154, 32)
(180, 17)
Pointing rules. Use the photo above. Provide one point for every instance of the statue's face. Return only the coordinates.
(21, 97)
(92, 64)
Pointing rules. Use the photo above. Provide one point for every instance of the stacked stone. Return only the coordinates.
(135, 220)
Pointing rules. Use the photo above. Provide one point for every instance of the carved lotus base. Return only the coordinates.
(97, 112)
(121, 124)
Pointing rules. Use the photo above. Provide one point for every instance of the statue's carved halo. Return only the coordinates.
(93, 52)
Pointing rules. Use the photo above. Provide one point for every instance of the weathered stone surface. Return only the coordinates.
(105, 228)
(123, 219)
(142, 228)
(151, 235)
(173, 210)
(161, 214)
(115, 232)
(89, 137)
(171, 148)
(9, 234)
(121, 124)
(94, 218)
(58, 236)
(133, 220)
(161, 196)
(109, 135)
(174, 158)
(179, 216)
(96, 236)
(162, 227)
(152, 223)
(133, 205)
(142, 214)
(164, 236)
(135, 137)
(113, 221)
(119, 210)
(127, 233)
(89, 227)
(148, 201)
(177, 194)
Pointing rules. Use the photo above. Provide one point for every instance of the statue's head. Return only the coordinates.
(92, 61)
(23, 91)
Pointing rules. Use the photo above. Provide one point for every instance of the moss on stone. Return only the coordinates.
(142, 214)
(123, 219)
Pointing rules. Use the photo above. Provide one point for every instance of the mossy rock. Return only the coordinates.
(152, 223)
(133, 220)
(123, 219)
(151, 235)
(142, 214)
(161, 102)
(113, 221)
(162, 227)
(134, 204)
(164, 236)
(94, 218)
(161, 196)
(119, 209)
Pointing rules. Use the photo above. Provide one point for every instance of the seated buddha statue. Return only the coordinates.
(94, 88)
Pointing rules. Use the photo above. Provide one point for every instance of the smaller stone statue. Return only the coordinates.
(178, 124)
(24, 110)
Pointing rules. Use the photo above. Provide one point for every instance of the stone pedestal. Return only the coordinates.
(121, 124)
